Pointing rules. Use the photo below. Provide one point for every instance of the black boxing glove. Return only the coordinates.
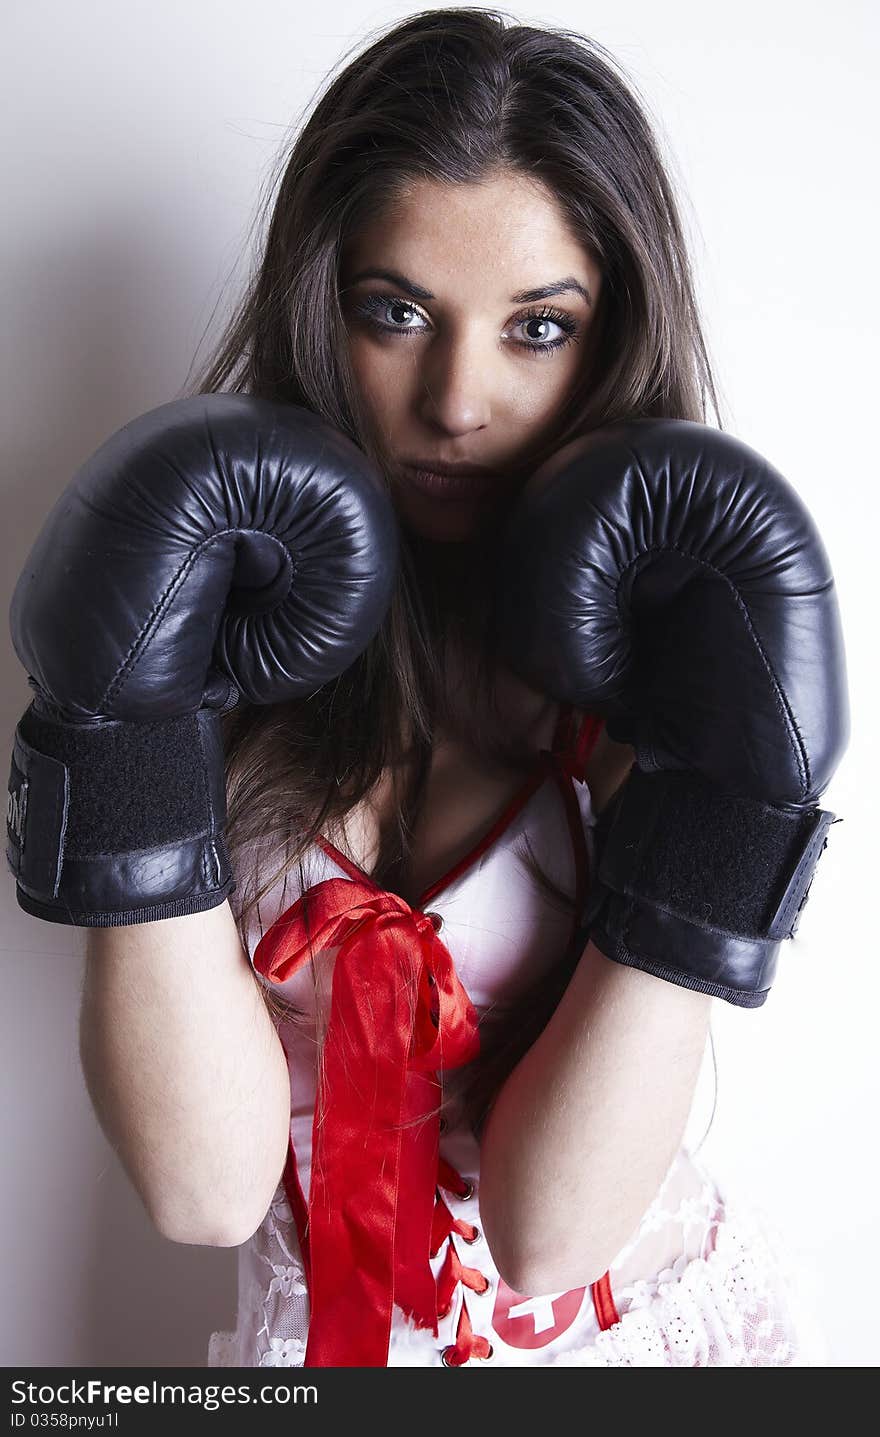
(665, 575)
(218, 547)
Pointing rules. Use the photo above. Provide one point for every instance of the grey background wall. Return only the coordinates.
(138, 136)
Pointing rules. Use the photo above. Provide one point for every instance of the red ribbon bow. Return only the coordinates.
(398, 1014)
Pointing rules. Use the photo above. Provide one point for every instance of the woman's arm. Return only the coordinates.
(582, 1132)
(186, 1073)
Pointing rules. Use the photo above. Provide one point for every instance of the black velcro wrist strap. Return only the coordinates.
(739, 970)
(713, 882)
(116, 822)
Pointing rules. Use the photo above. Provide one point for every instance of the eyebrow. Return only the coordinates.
(570, 285)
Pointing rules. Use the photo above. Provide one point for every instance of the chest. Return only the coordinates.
(464, 797)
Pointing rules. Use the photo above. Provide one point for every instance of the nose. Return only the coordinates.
(454, 393)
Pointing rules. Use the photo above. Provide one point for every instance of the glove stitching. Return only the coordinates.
(165, 598)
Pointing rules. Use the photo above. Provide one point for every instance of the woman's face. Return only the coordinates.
(461, 353)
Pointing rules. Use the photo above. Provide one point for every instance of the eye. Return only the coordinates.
(570, 329)
(374, 307)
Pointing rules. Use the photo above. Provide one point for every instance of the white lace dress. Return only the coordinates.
(725, 1296)
(705, 1281)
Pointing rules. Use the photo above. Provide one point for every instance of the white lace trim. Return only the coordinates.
(742, 1305)
(273, 1306)
(724, 1291)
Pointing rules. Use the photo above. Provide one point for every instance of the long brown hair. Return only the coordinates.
(453, 96)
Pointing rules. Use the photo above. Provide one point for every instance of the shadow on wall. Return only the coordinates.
(87, 1279)
(149, 1302)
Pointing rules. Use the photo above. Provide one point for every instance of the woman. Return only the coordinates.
(475, 256)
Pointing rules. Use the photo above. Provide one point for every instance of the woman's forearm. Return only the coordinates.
(186, 1073)
(582, 1132)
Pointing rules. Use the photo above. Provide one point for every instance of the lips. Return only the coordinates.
(462, 485)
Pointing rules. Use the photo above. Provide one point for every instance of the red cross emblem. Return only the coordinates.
(534, 1321)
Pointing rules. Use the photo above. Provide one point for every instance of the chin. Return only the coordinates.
(447, 534)
(450, 533)
(448, 523)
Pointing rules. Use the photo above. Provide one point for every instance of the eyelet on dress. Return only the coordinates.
(476, 1237)
(487, 1358)
(436, 921)
(468, 1192)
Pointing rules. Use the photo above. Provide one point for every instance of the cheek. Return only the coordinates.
(541, 385)
(383, 379)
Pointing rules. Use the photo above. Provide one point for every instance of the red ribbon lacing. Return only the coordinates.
(398, 1016)
(467, 1343)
